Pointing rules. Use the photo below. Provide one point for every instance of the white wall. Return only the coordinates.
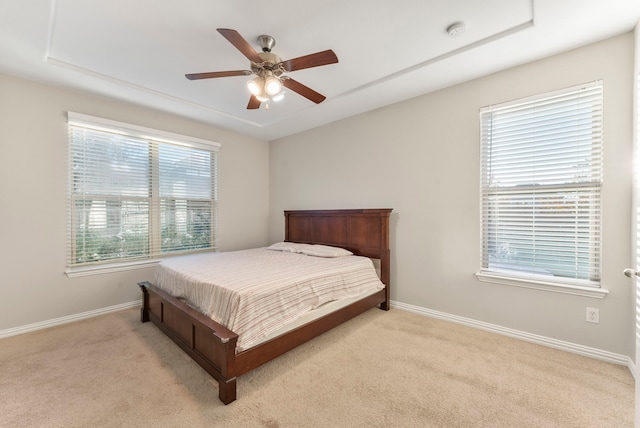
(421, 157)
(33, 210)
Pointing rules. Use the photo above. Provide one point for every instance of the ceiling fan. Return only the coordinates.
(270, 70)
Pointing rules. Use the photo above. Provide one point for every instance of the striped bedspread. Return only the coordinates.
(254, 292)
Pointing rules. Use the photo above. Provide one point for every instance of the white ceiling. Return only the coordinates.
(388, 51)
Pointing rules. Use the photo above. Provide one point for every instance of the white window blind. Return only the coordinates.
(541, 167)
(137, 193)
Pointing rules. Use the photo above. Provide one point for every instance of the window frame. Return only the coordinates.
(151, 136)
(487, 273)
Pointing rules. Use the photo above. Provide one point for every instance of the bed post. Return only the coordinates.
(385, 262)
(385, 259)
(227, 390)
(144, 310)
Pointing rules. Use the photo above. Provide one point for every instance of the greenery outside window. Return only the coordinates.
(541, 175)
(137, 194)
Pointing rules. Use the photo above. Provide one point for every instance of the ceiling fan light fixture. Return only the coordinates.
(256, 86)
(272, 85)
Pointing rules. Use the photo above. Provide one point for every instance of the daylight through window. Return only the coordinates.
(541, 166)
(137, 193)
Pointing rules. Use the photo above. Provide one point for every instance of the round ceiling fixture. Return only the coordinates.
(456, 29)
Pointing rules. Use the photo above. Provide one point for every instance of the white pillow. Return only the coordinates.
(287, 247)
(310, 249)
(325, 251)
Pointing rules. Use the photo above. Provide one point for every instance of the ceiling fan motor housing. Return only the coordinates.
(266, 42)
(270, 61)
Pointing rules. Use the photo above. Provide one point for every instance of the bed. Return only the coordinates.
(363, 232)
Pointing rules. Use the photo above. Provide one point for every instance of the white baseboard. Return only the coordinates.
(64, 320)
(533, 338)
(632, 367)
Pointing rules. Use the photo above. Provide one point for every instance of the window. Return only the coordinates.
(541, 167)
(136, 194)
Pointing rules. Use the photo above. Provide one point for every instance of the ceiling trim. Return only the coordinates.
(52, 60)
(497, 36)
(110, 79)
(49, 59)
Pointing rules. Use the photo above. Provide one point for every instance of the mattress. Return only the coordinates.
(257, 292)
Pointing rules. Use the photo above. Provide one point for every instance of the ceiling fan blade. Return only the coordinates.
(312, 60)
(241, 44)
(254, 103)
(212, 74)
(303, 90)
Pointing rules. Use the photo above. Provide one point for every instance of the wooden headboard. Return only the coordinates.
(364, 232)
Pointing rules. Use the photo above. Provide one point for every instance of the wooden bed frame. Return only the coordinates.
(364, 232)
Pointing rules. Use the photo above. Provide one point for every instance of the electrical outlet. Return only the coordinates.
(593, 315)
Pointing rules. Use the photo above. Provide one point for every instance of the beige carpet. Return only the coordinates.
(383, 369)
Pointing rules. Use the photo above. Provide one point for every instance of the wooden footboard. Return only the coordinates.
(210, 344)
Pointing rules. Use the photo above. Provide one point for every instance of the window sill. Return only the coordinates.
(496, 278)
(109, 268)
